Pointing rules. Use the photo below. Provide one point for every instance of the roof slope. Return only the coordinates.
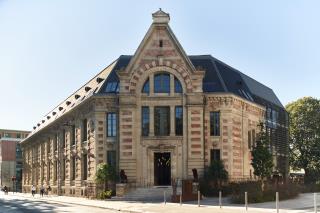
(86, 91)
(219, 77)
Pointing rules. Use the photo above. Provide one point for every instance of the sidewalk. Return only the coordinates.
(303, 203)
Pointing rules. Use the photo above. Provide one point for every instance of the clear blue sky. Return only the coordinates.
(48, 49)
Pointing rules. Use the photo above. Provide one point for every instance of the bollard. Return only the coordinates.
(164, 198)
(180, 199)
(246, 200)
(198, 198)
(220, 201)
(277, 201)
(315, 202)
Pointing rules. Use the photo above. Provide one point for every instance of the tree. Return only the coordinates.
(304, 136)
(104, 174)
(262, 161)
(216, 173)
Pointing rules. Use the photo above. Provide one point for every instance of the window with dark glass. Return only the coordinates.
(56, 170)
(85, 166)
(214, 123)
(63, 168)
(73, 168)
(177, 86)
(146, 87)
(63, 138)
(73, 135)
(162, 83)
(145, 117)
(18, 135)
(162, 121)
(55, 142)
(111, 124)
(85, 130)
(112, 87)
(179, 120)
(249, 139)
(49, 171)
(214, 155)
(111, 158)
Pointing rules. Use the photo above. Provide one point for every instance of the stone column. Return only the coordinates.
(151, 121)
(171, 85)
(172, 120)
(151, 85)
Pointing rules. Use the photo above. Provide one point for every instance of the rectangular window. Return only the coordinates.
(73, 170)
(63, 138)
(162, 121)
(145, 117)
(112, 124)
(249, 139)
(111, 158)
(85, 167)
(56, 170)
(49, 171)
(214, 155)
(253, 134)
(55, 142)
(84, 130)
(63, 169)
(179, 120)
(73, 135)
(18, 135)
(215, 123)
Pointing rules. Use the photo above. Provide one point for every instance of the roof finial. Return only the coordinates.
(161, 17)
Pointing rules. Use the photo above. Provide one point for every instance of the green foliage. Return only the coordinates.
(105, 195)
(104, 174)
(304, 136)
(213, 177)
(262, 161)
(257, 195)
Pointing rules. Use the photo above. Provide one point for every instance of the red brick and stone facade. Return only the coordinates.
(49, 152)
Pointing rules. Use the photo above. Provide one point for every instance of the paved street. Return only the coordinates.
(14, 204)
(25, 203)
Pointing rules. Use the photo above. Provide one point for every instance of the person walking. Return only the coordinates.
(33, 190)
(41, 190)
(5, 189)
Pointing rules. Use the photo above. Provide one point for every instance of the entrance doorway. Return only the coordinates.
(162, 169)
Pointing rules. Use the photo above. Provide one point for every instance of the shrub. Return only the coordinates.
(214, 179)
(257, 195)
(105, 195)
(312, 187)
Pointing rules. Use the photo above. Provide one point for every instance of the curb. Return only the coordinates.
(86, 205)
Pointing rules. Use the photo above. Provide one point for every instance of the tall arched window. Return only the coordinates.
(162, 83)
(146, 87)
(177, 86)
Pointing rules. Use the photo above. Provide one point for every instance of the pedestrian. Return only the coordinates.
(41, 190)
(33, 190)
(5, 189)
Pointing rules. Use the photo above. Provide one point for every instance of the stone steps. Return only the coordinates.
(147, 194)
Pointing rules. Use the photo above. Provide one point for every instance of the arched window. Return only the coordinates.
(146, 87)
(162, 83)
(177, 86)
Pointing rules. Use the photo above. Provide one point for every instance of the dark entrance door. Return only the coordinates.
(162, 169)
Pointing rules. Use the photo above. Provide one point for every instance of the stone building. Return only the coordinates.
(11, 158)
(157, 115)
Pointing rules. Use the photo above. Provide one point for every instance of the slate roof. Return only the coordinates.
(219, 77)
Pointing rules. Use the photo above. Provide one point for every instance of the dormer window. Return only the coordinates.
(162, 83)
(112, 87)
